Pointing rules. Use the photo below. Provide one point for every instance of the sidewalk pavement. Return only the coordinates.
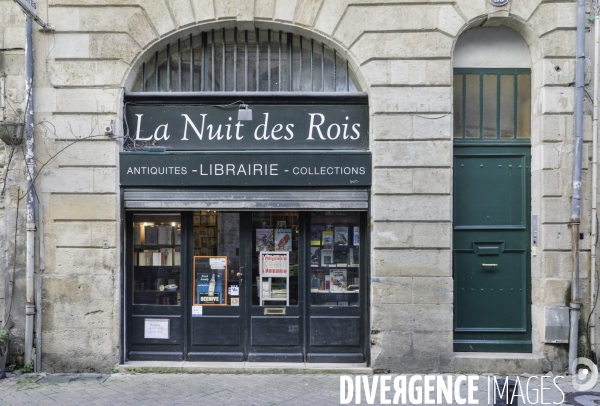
(217, 389)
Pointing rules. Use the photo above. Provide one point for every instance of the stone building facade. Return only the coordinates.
(402, 55)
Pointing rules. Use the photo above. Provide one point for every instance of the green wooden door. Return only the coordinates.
(491, 254)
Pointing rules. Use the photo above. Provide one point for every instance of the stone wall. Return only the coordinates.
(402, 54)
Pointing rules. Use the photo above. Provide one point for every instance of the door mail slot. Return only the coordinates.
(275, 311)
(487, 250)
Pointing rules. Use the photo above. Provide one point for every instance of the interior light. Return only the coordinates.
(173, 224)
(145, 223)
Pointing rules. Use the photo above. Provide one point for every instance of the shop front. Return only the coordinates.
(252, 245)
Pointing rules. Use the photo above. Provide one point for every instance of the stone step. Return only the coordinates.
(244, 367)
(500, 363)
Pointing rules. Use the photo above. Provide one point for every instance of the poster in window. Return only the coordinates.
(356, 235)
(327, 237)
(264, 239)
(283, 239)
(326, 257)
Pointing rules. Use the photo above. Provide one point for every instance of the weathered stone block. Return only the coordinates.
(84, 233)
(85, 261)
(203, 10)
(409, 235)
(392, 180)
(391, 127)
(551, 16)
(306, 12)
(82, 207)
(432, 290)
(86, 153)
(14, 37)
(329, 16)
(86, 100)
(557, 264)
(105, 180)
(71, 46)
(412, 153)
(411, 99)
(66, 180)
(377, 72)
(436, 180)
(414, 45)
(411, 208)
(225, 9)
(285, 10)
(387, 290)
(555, 237)
(113, 46)
(554, 291)
(411, 263)
(556, 128)
(557, 100)
(559, 44)
(555, 210)
(87, 73)
(44, 100)
(182, 11)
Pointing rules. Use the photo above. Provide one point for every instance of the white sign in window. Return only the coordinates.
(156, 328)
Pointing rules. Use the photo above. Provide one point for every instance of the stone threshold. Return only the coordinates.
(499, 362)
(244, 367)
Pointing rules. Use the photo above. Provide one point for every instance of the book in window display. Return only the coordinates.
(340, 257)
(356, 235)
(326, 257)
(338, 280)
(341, 236)
(315, 234)
(327, 238)
(315, 256)
(264, 239)
(283, 239)
(354, 256)
(151, 233)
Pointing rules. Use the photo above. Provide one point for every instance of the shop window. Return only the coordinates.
(216, 258)
(334, 259)
(157, 259)
(275, 245)
(230, 60)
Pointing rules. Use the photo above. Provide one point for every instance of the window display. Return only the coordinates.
(275, 234)
(216, 258)
(157, 259)
(334, 259)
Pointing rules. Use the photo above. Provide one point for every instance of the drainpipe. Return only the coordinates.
(575, 304)
(594, 225)
(30, 209)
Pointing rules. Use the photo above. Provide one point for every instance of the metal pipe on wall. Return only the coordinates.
(30, 207)
(575, 304)
(594, 225)
(38, 292)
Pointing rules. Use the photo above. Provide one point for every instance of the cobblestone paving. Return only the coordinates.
(216, 389)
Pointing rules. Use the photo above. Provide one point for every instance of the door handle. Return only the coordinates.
(489, 264)
(240, 275)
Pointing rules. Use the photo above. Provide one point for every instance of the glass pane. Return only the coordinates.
(157, 259)
(216, 258)
(472, 110)
(524, 107)
(275, 241)
(507, 106)
(457, 106)
(490, 113)
(334, 259)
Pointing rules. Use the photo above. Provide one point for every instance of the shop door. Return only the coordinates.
(275, 320)
(217, 280)
(491, 267)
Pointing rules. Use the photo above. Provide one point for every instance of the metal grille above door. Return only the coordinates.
(247, 199)
(232, 60)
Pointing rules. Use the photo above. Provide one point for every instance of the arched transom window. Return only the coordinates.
(232, 60)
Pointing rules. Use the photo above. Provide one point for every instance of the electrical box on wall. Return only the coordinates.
(556, 326)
